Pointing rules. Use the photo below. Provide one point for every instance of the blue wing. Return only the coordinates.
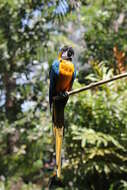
(74, 75)
(53, 75)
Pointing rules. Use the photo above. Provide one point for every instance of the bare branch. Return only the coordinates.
(92, 85)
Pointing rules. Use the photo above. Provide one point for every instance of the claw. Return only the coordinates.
(64, 94)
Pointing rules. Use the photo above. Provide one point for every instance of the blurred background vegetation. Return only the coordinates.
(95, 142)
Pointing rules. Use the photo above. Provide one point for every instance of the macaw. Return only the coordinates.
(62, 75)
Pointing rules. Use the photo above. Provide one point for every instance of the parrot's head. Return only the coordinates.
(66, 53)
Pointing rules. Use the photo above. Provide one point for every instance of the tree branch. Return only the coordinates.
(92, 85)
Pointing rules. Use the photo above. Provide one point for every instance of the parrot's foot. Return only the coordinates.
(55, 182)
(64, 94)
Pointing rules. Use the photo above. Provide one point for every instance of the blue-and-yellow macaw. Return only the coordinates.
(62, 75)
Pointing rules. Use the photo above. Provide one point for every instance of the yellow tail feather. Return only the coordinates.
(58, 132)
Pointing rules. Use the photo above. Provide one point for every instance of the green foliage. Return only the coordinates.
(106, 27)
(95, 146)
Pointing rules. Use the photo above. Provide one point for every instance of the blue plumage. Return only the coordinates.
(74, 75)
(62, 75)
(54, 73)
(59, 81)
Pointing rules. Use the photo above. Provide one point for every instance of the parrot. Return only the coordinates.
(62, 75)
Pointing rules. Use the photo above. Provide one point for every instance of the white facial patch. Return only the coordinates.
(64, 55)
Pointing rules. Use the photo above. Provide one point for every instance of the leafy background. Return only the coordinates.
(95, 143)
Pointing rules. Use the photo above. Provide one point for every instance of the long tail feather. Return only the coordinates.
(59, 138)
(58, 132)
(58, 129)
(58, 112)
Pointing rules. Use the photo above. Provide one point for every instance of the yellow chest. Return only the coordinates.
(66, 70)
